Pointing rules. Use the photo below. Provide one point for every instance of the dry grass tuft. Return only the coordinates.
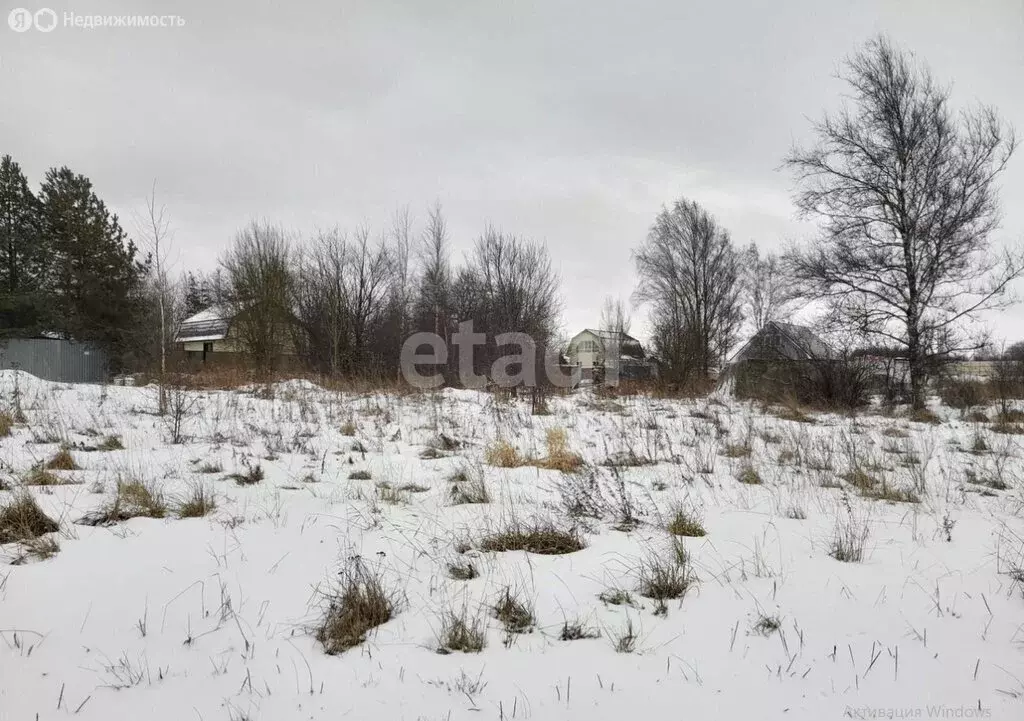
(39, 477)
(577, 631)
(749, 476)
(468, 487)
(666, 577)
(849, 538)
(210, 467)
(923, 415)
(360, 475)
(360, 604)
(6, 424)
(559, 457)
(199, 502)
(134, 499)
(111, 443)
(459, 632)
(512, 612)
(503, 455)
(767, 625)
(348, 428)
(21, 519)
(462, 570)
(685, 523)
(542, 537)
(252, 476)
(62, 461)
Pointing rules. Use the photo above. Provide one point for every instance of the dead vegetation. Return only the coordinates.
(559, 457)
(685, 523)
(514, 614)
(21, 519)
(461, 632)
(666, 575)
(360, 603)
(62, 460)
(540, 537)
(466, 487)
(198, 502)
(132, 499)
(503, 454)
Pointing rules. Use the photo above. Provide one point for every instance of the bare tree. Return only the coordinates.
(367, 285)
(615, 317)
(906, 191)
(322, 301)
(689, 273)
(769, 292)
(509, 286)
(260, 296)
(155, 229)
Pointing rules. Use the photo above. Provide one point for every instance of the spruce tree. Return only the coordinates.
(22, 255)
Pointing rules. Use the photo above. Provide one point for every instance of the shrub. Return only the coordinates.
(21, 519)
(199, 502)
(503, 455)
(459, 632)
(358, 605)
(542, 538)
(963, 394)
(62, 461)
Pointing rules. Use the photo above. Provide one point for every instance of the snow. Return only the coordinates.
(211, 618)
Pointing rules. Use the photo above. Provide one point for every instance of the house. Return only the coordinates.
(779, 361)
(779, 341)
(205, 333)
(594, 350)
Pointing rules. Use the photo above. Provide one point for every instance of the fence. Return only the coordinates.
(53, 359)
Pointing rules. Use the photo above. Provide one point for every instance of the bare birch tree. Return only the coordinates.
(769, 292)
(905, 188)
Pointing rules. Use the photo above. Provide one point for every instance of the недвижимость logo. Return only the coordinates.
(21, 20)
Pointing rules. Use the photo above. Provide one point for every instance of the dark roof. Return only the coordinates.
(802, 344)
(209, 324)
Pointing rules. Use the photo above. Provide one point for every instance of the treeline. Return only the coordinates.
(345, 302)
(67, 268)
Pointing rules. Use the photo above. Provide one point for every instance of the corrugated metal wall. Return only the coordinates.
(54, 360)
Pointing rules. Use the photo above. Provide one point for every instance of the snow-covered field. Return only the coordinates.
(216, 617)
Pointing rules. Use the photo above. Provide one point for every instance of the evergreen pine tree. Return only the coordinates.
(95, 278)
(22, 255)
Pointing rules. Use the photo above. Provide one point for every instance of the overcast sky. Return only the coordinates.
(570, 123)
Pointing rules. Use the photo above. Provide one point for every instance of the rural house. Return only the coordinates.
(776, 360)
(205, 333)
(593, 351)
